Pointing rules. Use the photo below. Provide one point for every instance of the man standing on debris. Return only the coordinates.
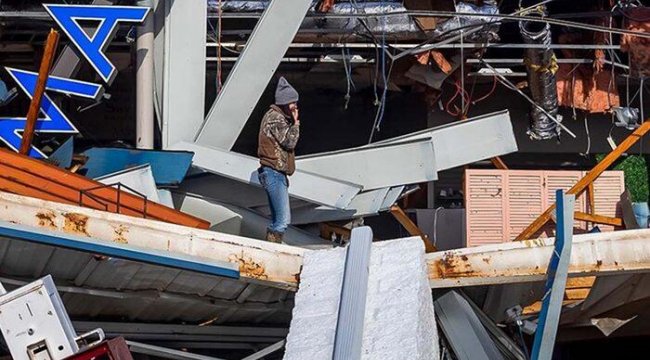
(278, 137)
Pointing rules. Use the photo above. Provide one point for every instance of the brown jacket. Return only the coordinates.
(277, 140)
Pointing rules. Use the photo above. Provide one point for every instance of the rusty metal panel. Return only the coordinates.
(262, 262)
(26, 176)
(600, 254)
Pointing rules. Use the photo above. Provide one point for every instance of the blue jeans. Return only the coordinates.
(276, 185)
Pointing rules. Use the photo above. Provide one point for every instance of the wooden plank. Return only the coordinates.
(580, 282)
(411, 227)
(498, 163)
(41, 82)
(592, 175)
(591, 199)
(598, 219)
(576, 294)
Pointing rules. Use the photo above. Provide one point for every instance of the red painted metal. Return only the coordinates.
(114, 349)
(29, 177)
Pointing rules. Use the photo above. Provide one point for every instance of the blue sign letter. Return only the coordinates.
(93, 47)
(54, 121)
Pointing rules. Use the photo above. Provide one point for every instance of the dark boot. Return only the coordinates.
(275, 237)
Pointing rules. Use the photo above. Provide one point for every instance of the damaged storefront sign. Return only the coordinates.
(92, 48)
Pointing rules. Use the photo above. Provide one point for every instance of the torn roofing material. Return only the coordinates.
(264, 263)
(26, 176)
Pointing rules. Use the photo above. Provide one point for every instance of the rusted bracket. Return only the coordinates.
(412, 229)
(591, 176)
(41, 82)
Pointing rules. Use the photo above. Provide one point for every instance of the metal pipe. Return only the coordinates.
(541, 64)
(239, 46)
(145, 81)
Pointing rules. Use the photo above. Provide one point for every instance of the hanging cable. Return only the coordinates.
(347, 64)
(588, 150)
(219, 58)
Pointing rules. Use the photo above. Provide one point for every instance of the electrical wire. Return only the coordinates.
(494, 87)
(348, 74)
(588, 150)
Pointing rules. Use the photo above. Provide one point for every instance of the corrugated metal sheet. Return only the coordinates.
(108, 288)
(502, 203)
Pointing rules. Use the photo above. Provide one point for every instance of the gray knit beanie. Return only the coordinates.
(285, 93)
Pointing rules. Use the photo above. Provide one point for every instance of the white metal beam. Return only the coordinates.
(251, 74)
(259, 261)
(464, 142)
(184, 69)
(381, 166)
(366, 203)
(598, 254)
(304, 185)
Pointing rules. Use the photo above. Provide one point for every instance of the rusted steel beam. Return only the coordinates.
(598, 219)
(591, 176)
(35, 106)
(22, 175)
(260, 262)
(411, 227)
(598, 254)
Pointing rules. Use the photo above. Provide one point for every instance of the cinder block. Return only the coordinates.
(315, 314)
(399, 319)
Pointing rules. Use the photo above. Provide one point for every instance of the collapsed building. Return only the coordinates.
(447, 125)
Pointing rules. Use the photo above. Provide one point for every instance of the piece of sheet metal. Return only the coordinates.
(465, 142)
(251, 74)
(597, 254)
(262, 262)
(381, 166)
(62, 157)
(122, 251)
(168, 167)
(137, 180)
(304, 185)
(463, 329)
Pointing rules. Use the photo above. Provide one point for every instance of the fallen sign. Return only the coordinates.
(527, 261)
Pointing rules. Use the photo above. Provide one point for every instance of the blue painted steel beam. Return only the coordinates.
(122, 251)
(558, 269)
